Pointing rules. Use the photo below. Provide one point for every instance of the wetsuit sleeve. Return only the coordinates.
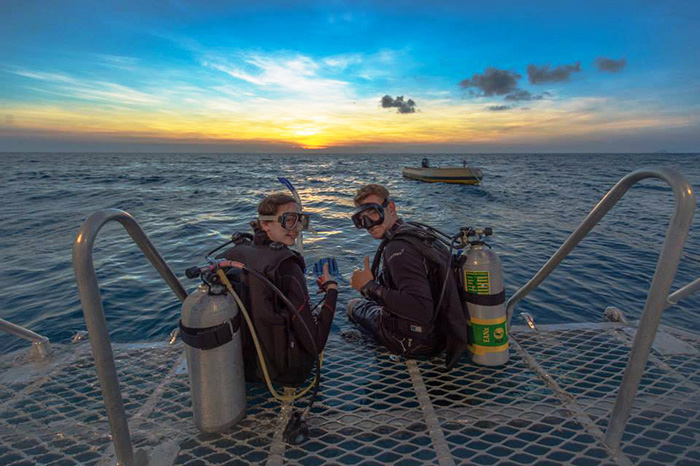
(293, 285)
(413, 299)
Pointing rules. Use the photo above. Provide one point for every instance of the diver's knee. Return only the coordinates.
(352, 304)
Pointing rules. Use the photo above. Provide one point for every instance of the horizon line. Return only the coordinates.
(323, 152)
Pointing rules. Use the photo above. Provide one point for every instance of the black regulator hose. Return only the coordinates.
(448, 273)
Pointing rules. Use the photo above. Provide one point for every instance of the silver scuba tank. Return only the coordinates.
(482, 281)
(210, 327)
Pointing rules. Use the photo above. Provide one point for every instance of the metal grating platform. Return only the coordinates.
(549, 405)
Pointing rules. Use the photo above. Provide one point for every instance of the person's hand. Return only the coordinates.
(360, 277)
(324, 280)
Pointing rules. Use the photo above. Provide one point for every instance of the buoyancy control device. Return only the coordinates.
(481, 281)
(477, 270)
(449, 319)
(210, 328)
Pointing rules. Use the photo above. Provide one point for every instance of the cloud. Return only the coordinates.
(343, 62)
(520, 94)
(610, 64)
(492, 82)
(408, 106)
(117, 61)
(43, 76)
(102, 91)
(297, 73)
(498, 108)
(542, 74)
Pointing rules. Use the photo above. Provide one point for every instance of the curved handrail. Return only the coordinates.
(658, 293)
(685, 204)
(91, 301)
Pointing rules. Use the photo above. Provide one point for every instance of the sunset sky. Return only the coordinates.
(350, 76)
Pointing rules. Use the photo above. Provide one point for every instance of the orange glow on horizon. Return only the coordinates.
(314, 128)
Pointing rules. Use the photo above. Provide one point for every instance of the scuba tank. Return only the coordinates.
(210, 328)
(214, 275)
(481, 280)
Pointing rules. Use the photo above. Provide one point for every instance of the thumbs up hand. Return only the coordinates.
(360, 277)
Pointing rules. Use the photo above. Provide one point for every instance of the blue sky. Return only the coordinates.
(292, 76)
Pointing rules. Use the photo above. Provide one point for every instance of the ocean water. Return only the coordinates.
(190, 203)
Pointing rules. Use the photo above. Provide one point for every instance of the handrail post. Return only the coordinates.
(666, 267)
(96, 323)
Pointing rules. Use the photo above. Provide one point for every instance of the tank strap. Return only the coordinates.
(210, 337)
(486, 299)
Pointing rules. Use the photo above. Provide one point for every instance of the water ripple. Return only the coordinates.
(188, 204)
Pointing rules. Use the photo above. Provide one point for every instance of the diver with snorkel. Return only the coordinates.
(281, 340)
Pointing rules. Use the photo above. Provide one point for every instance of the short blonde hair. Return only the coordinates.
(370, 189)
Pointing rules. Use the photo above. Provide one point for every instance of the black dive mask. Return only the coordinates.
(369, 215)
(289, 220)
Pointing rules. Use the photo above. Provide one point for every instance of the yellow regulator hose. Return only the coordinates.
(281, 398)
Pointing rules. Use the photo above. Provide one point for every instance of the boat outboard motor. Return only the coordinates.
(482, 282)
(210, 328)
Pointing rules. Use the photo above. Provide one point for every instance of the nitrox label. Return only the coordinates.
(477, 282)
(491, 334)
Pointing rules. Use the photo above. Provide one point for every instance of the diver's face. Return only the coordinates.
(275, 230)
(390, 217)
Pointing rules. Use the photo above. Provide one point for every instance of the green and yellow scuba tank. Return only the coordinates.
(478, 273)
(481, 280)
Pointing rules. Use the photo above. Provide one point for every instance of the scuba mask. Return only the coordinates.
(369, 215)
(289, 220)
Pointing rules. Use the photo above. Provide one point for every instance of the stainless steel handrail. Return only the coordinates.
(658, 293)
(684, 292)
(91, 301)
(41, 347)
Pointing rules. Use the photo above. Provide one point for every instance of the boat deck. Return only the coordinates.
(549, 405)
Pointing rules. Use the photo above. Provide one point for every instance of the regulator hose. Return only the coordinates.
(263, 365)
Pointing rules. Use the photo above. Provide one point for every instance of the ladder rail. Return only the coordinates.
(41, 347)
(658, 295)
(91, 301)
(683, 292)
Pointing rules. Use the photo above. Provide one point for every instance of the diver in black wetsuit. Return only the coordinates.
(286, 344)
(398, 305)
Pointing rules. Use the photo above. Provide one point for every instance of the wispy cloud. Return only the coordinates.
(117, 61)
(44, 76)
(343, 62)
(298, 73)
(86, 89)
(113, 93)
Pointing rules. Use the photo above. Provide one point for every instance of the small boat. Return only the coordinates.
(459, 175)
